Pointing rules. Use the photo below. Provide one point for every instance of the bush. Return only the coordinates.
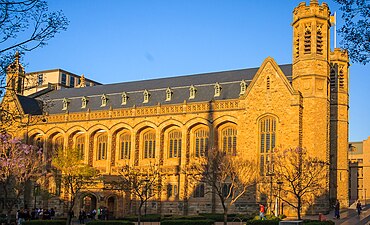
(187, 222)
(109, 222)
(262, 222)
(184, 218)
(144, 218)
(44, 222)
(268, 217)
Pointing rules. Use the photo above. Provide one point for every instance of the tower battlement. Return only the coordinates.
(339, 55)
(314, 9)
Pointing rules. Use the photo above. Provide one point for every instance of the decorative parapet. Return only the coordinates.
(146, 111)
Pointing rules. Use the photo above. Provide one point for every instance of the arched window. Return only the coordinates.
(102, 142)
(267, 135)
(58, 143)
(228, 140)
(149, 144)
(124, 146)
(80, 146)
(201, 142)
(319, 40)
(341, 78)
(174, 144)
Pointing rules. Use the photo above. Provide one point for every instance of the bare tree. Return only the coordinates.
(19, 164)
(74, 175)
(25, 25)
(229, 176)
(303, 177)
(142, 183)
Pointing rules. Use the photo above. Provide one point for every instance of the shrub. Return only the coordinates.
(144, 218)
(262, 222)
(184, 218)
(109, 222)
(187, 222)
(44, 222)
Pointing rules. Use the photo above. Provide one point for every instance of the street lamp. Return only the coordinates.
(279, 183)
(36, 190)
(365, 196)
(270, 173)
(146, 194)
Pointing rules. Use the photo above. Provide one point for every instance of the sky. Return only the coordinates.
(115, 41)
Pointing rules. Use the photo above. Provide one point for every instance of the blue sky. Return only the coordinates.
(115, 41)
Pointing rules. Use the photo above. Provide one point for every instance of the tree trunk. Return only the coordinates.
(299, 209)
(225, 216)
(139, 215)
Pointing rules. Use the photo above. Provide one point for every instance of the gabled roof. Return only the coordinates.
(204, 84)
(30, 105)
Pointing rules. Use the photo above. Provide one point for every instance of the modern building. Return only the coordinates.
(359, 171)
(56, 79)
(173, 121)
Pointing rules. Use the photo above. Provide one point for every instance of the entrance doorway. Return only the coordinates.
(88, 203)
(111, 208)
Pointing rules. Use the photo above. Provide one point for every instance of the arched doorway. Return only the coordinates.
(88, 203)
(111, 207)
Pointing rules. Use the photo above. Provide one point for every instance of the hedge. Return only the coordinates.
(230, 217)
(143, 218)
(187, 222)
(109, 222)
(262, 222)
(183, 218)
(44, 222)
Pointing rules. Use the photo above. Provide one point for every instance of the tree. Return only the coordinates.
(229, 176)
(356, 29)
(19, 164)
(74, 175)
(303, 177)
(25, 25)
(142, 183)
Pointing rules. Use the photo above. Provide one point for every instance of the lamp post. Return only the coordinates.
(35, 193)
(146, 194)
(365, 196)
(270, 173)
(279, 183)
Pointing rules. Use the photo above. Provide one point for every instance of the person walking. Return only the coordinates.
(262, 212)
(336, 210)
(358, 207)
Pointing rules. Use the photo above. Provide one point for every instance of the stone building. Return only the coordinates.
(171, 121)
(359, 171)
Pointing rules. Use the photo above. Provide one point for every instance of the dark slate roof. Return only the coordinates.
(30, 105)
(204, 84)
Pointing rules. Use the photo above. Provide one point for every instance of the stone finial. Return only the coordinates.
(16, 66)
(82, 81)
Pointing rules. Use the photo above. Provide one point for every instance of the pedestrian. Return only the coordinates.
(358, 207)
(93, 214)
(52, 213)
(336, 210)
(81, 217)
(262, 212)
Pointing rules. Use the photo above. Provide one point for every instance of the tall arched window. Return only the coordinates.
(80, 146)
(102, 147)
(149, 144)
(228, 140)
(124, 146)
(201, 142)
(174, 144)
(58, 143)
(267, 134)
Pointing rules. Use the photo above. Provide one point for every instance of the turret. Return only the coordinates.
(15, 76)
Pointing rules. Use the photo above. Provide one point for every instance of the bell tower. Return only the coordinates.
(339, 106)
(310, 76)
(15, 76)
(311, 34)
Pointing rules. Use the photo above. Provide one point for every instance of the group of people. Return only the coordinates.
(36, 213)
(102, 213)
(337, 209)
